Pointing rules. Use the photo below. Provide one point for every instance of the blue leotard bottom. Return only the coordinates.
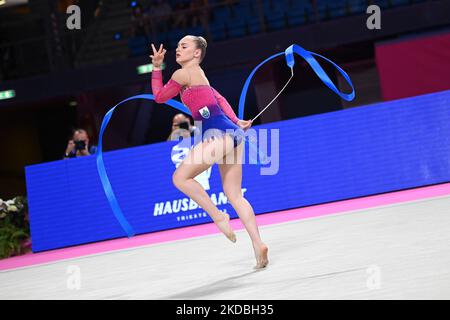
(214, 123)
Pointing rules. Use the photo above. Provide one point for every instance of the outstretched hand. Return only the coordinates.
(158, 56)
(244, 124)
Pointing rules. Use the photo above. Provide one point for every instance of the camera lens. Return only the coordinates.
(80, 144)
(184, 125)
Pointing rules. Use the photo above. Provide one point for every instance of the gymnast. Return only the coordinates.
(226, 142)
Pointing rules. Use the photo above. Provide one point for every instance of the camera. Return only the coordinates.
(80, 144)
(184, 125)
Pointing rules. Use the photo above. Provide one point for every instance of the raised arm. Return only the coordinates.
(225, 106)
(163, 92)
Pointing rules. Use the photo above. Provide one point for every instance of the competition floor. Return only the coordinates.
(389, 246)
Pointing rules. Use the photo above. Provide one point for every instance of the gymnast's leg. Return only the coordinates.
(201, 157)
(231, 173)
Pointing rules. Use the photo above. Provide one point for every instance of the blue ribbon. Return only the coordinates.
(290, 61)
(109, 192)
(101, 165)
(289, 54)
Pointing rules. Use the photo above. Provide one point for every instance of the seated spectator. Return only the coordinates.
(79, 145)
(181, 127)
(161, 13)
(99, 9)
(315, 11)
(140, 22)
(180, 15)
(7, 58)
(231, 4)
(200, 11)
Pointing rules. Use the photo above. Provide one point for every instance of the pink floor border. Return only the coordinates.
(31, 259)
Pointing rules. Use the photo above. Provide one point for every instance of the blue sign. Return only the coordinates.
(317, 159)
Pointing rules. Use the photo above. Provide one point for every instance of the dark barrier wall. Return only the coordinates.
(409, 67)
(328, 157)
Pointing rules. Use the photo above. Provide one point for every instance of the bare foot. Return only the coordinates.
(224, 226)
(261, 252)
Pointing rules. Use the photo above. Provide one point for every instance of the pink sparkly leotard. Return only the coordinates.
(205, 103)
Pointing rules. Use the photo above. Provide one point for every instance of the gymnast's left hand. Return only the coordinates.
(244, 124)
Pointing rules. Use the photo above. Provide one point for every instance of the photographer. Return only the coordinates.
(181, 127)
(79, 145)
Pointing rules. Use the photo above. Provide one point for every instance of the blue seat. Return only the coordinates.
(271, 7)
(254, 25)
(297, 5)
(244, 9)
(216, 23)
(237, 20)
(137, 46)
(236, 28)
(218, 31)
(400, 2)
(174, 36)
(277, 20)
(221, 14)
(337, 9)
(358, 7)
(322, 3)
(296, 17)
(137, 41)
(324, 9)
(162, 37)
(198, 31)
(238, 13)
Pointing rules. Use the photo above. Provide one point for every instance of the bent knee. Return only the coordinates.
(177, 179)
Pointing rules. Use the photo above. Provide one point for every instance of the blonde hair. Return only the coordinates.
(201, 44)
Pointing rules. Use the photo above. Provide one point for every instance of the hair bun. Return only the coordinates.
(203, 40)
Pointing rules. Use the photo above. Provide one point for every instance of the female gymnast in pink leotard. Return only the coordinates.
(208, 106)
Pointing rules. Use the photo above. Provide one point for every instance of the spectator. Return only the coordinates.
(315, 10)
(200, 12)
(180, 15)
(231, 4)
(79, 145)
(99, 9)
(161, 12)
(181, 127)
(140, 22)
(62, 5)
(5, 58)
